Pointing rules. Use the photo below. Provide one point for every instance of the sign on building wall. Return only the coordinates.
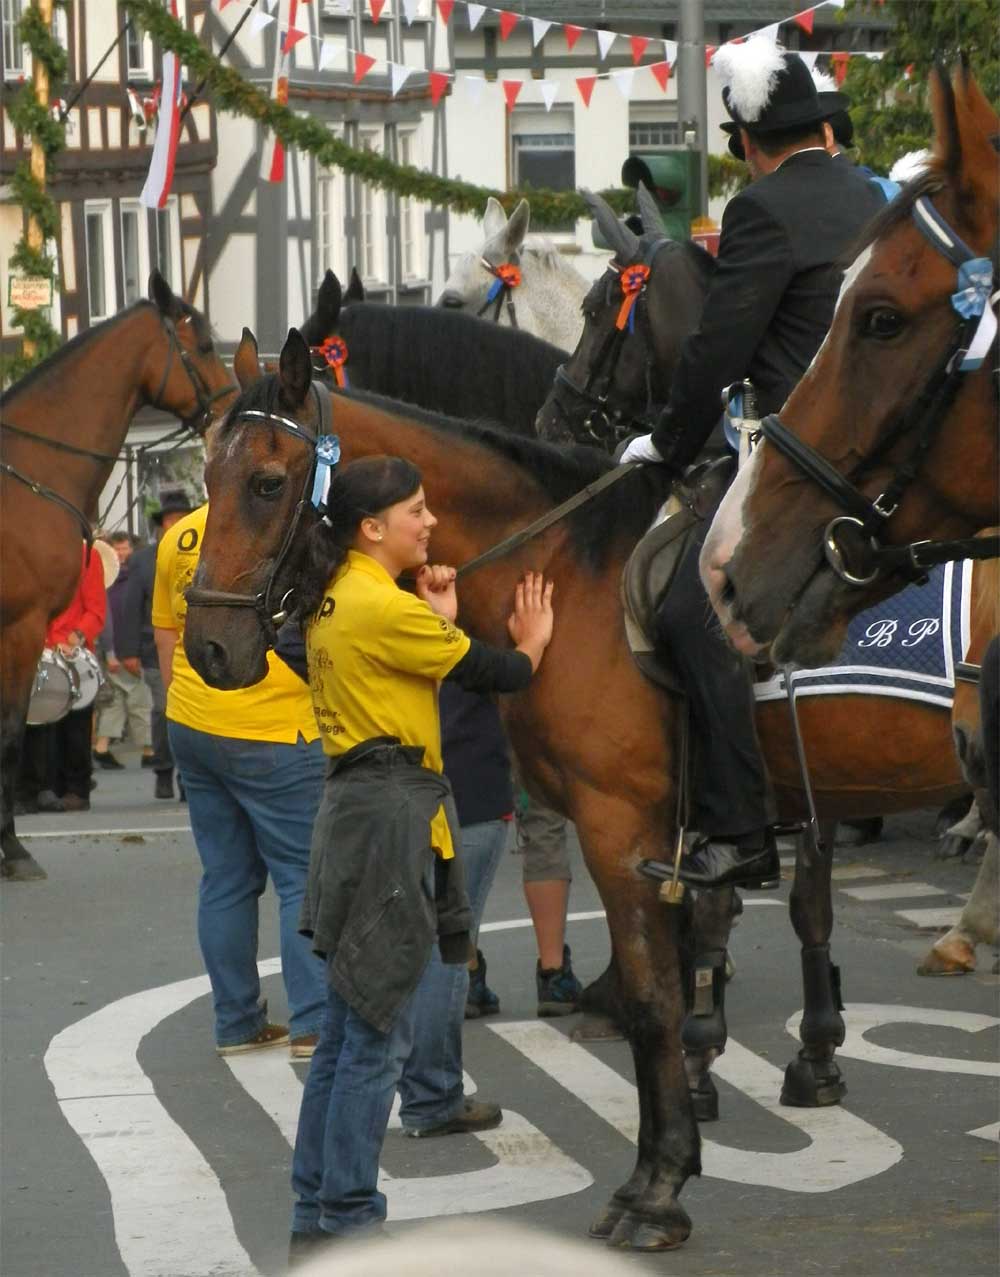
(29, 292)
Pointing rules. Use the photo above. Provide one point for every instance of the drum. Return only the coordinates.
(52, 693)
(87, 677)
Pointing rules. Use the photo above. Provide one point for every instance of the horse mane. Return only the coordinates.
(53, 364)
(547, 255)
(619, 515)
(702, 262)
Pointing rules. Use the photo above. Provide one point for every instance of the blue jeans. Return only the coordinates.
(252, 806)
(431, 1088)
(345, 1110)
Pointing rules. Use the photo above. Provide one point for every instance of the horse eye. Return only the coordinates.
(882, 323)
(267, 486)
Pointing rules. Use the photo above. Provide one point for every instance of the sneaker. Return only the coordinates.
(164, 787)
(108, 761)
(270, 1035)
(476, 1115)
(48, 801)
(481, 999)
(304, 1047)
(73, 802)
(558, 989)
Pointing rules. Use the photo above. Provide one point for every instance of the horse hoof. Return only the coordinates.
(636, 1232)
(604, 1225)
(856, 833)
(812, 1084)
(955, 958)
(23, 869)
(597, 1028)
(952, 847)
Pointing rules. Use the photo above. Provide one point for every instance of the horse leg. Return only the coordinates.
(703, 1034)
(21, 649)
(813, 1079)
(979, 923)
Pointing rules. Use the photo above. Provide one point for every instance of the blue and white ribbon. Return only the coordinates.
(327, 456)
(975, 282)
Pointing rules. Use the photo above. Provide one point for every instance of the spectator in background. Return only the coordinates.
(131, 705)
(135, 646)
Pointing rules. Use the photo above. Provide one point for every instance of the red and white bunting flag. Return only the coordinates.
(670, 49)
(710, 53)
(585, 83)
(474, 86)
(272, 157)
(511, 89)
(839, 61)
(772, 33)
(809, 57)
(398, 75)
(548, 89)
(475, 12)
(508, 21)
(539, 29)
(223, 3)
(639, 44)
(623, 81)
(363, 63)
(572, 34)
(160, 177)
(444, 8)
(438, 82)
(805, 20)
(662, 72)
(605, 39)
(411, 8)
(259, 21)
(377, 7)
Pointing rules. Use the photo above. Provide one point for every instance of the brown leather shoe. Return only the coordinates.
(303, 1048)
(270, 1035)
(476, 1115)
(73, 802)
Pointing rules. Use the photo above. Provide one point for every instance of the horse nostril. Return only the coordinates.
(216, 658)
(452, 300)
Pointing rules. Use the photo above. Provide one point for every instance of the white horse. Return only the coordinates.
(546, 302)
(979, 923)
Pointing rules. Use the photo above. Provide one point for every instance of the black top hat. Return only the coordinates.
(838, 118)
(768, 90)
(172, 503)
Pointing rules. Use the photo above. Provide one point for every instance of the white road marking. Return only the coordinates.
(861, 1017)
(894, 891)
(930, 918)
(102, 833)
(991, 1132)
(842, 1148)
(516, 924)
(841, 872)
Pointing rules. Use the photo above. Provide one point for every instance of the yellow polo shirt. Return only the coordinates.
(376, 656)
(278, 708)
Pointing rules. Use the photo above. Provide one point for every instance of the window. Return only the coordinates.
(138, 52)
(135, 251)
(543, 153)
(15, 56)
(371, 219)
(100, 259)
(409, 215)
(325, 232)
(654, 128)
(168, 244)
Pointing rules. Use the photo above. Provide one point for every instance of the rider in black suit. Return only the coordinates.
(769, 306)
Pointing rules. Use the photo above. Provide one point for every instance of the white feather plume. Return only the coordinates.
(824, 83)
(750, 71)
(909, 166)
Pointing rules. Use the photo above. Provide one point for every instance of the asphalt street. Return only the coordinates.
(131, 1150)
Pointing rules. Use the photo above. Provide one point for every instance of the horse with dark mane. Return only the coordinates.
(445, 361)
(63, 425)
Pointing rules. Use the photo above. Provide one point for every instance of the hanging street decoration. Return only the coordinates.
(168, 129)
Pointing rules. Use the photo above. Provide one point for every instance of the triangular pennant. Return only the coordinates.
(508, 21)
(259, 21)
(271, 5)
(805, 20)
(836, 4)
(474, 85)
(475, 12)
(605, 39)
(292, 36)
(662, 72)
(839, 61)
(444, 8)
(585, 83)
(377, 7)
(539, 29)
(670, 49)
(362, 65)
(639, 44)
(511, 88)
(410, 10)
(772, 33)
(438, 82)
(809, 57)
(572, 34)
(328, 51)
(223, 3)
(623, 81)
(548, 89)
(398, 75)
(709, 53)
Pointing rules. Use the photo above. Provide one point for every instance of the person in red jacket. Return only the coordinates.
(59, 753)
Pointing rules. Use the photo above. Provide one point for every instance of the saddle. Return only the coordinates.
(653, 563)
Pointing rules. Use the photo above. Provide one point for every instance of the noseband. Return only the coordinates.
(851, 541)
(605, 425)
(325, 449)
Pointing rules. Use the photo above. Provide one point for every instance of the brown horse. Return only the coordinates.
(62, 427)
(593, 737)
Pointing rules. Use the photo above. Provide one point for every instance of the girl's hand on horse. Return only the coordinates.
(530, 623)
(436, 586)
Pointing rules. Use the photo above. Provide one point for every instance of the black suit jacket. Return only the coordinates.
(773, 293)
(134, 636)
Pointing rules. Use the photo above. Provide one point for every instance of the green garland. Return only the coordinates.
(233, 94)
(35, 121)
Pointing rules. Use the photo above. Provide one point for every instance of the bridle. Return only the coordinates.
(860, 561)
(606, 425)
(325, 449)
(189, 425)
(506, 277)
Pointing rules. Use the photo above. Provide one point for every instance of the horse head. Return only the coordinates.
(261, 463)
(474, 275)
(183, 375)
(324, 322)
(891, 422)
(635, 317)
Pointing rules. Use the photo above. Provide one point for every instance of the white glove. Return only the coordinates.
(640, 449)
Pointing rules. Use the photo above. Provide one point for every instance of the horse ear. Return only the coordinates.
(649, 211)
(517, 227)
(977, 124)
(619, 238)
(328, 302)
(246, 364)
(295, 369)
(355, 289)
(947, 142)
(160, 293)
(494, 219)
